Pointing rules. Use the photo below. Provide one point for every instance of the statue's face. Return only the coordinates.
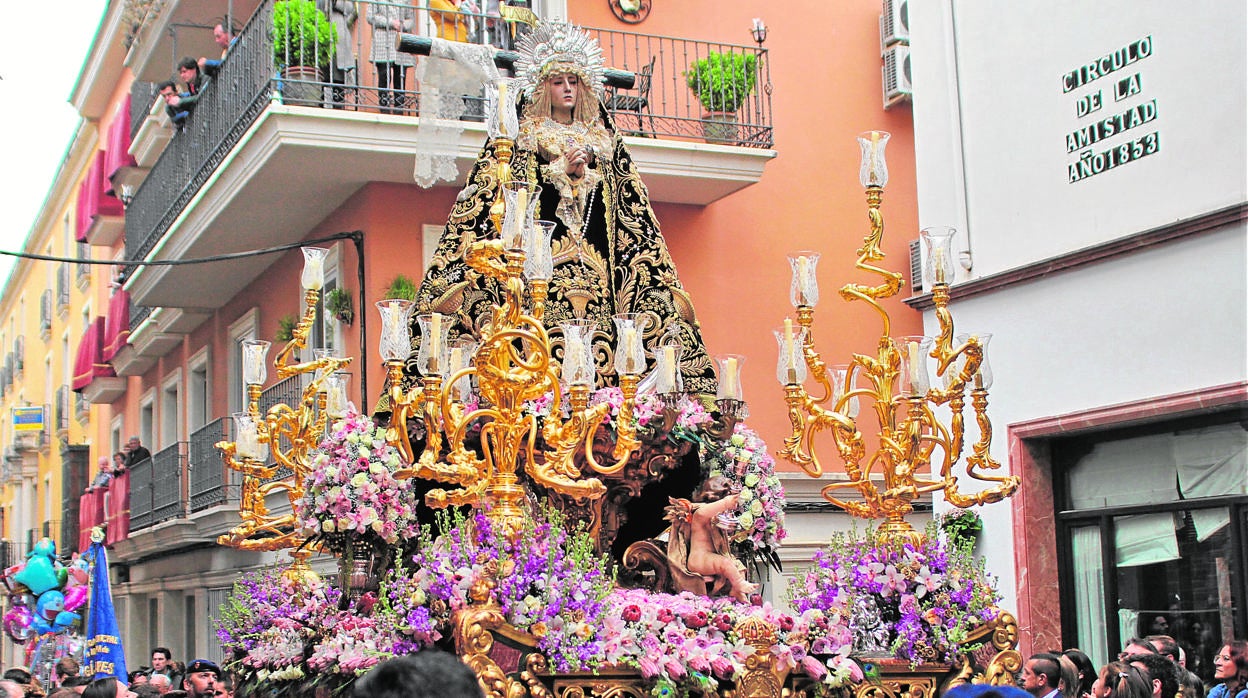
(563, 89)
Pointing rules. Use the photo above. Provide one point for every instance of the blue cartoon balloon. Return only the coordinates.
(50, 613)
(39, 574)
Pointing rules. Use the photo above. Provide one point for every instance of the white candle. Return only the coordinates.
(732, 383)
(435, 341)
(248, 445)
(788, 341)
(938, 264)
(313, 273)
(668, 382)
(918, 380)
(336, 399)
(628, 339)
(803, 270)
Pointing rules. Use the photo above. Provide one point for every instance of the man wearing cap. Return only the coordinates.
(201, 679)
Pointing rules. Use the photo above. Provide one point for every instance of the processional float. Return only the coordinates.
(483, 386)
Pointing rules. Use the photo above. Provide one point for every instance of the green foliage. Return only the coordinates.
(286, 328)
(723, 80)
(338, 303)
(401, 287)
(302, 35)
(962, 527)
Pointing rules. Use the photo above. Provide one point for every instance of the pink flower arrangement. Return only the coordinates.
(351, 492)
(759, 516)
(691, 641)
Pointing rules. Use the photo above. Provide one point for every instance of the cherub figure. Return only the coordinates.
(699, 542)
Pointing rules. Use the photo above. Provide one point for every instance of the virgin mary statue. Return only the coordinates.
(609, 256)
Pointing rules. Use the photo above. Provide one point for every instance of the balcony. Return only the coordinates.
(182, 496)
(214, 187)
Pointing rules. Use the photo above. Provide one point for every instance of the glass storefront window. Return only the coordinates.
(1145, 521)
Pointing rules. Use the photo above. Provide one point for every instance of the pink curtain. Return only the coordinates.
(90, 513)
(90, 362)
(118, 153)
(117, 325)
(118, 516)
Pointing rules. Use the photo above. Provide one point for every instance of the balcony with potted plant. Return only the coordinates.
(250, 142)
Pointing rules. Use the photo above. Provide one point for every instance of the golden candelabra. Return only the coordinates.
(512, 365)
(285, 434)
(897, 384)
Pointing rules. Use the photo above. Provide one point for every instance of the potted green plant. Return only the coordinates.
(286, 328)
(722, 81)
(303, 42)
(401, 287)
(339, 305)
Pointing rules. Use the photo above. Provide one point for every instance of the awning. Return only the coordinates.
(117, 326)
(90, 363)
(118, 154)
(95, 198)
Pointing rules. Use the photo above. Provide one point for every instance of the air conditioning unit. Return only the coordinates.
(895, 23)
(916, 266)
(896, 75)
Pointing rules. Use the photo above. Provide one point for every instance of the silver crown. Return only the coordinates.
(557, 47)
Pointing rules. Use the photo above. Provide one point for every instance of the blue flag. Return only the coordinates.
(105, 656)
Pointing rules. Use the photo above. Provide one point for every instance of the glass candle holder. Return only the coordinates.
(983, 377)
(729, 376)
(938, 253)
(538, 262)
(501, 119)
(396, 334)
(520, 199)
(874, 170)
(912, 380)
(336, 394)
(255, 361)
(845, 381)
(313, 276)
(630, 350)
(668, 378)
(791, 366)
(805, 287)
(434, 353)
(246, 437)
(460, 358)
(578, 357)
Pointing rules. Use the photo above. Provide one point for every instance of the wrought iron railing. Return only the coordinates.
(168, 470)
(142, 94)
(141, 495)
(138, 313)
(45, 311)
(62, 287)
(82, 270)
(663, 107)
(62, 408)
(225, 110)
(210, 480)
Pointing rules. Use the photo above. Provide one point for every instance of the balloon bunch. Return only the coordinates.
(43, 593)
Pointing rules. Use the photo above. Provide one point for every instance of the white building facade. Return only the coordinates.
(1092, 157)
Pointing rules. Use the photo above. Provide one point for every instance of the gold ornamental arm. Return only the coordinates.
(299, 337)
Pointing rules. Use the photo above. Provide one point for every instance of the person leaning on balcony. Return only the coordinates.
(169, 92)
(224, 34)
(103, 477)
(451, 23)
(137, 452)
(342, 14)
(388, 21)
(119, 463)
(193, 85)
